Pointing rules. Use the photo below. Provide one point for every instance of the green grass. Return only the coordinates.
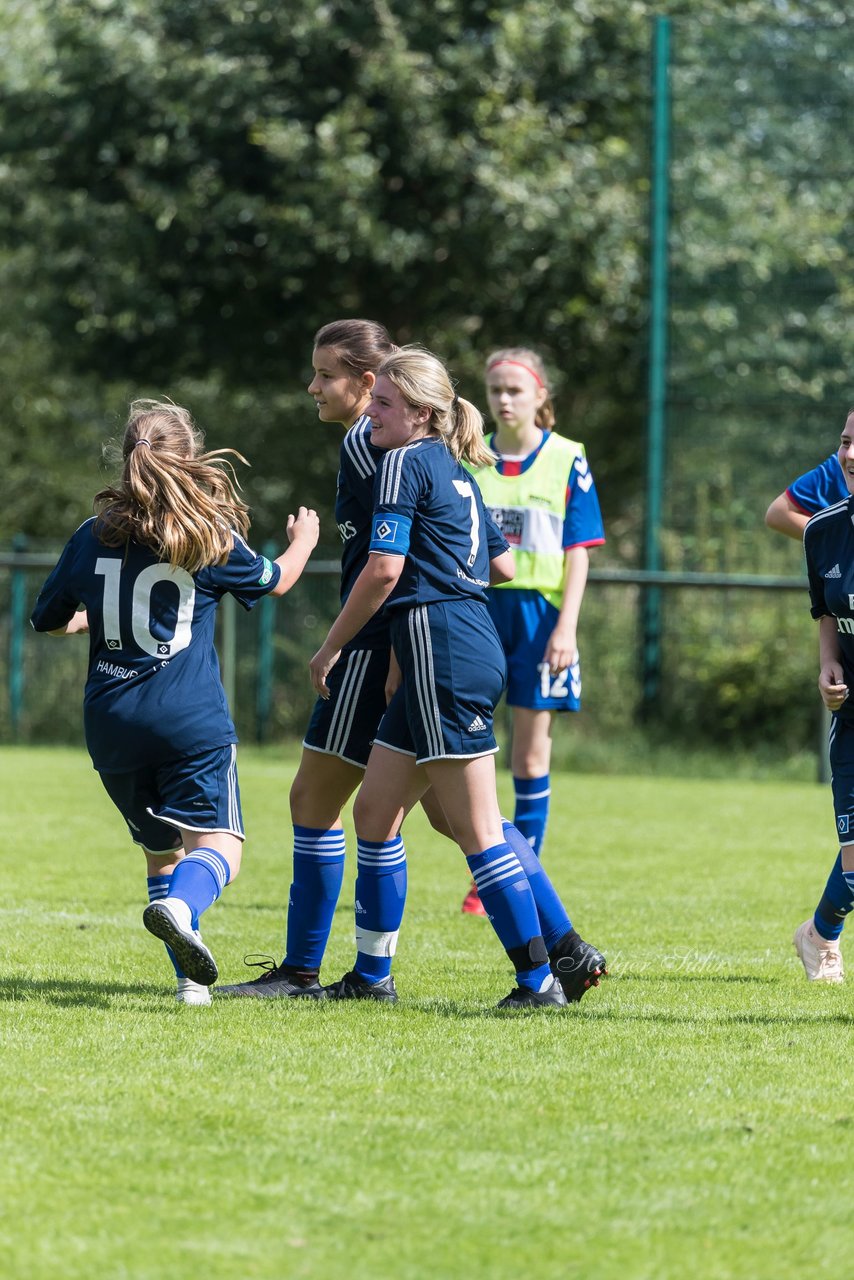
(691, 1119)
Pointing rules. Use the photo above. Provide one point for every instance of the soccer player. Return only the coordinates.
(542, 496)
(429, 566)
(342, 727)
(338, 738)
(813, 491)
(150, 569)
(828, 543)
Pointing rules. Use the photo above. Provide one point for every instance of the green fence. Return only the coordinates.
(751, 345)
(738, 653)
(760, 242)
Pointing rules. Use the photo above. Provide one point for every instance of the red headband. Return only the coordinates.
(519, 365)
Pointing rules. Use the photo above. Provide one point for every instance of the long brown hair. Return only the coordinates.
(171, 496)
(423, 380)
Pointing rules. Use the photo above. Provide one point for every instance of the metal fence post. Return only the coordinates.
(17, 622)
(229, 651)
(266, 633)
(657, 379)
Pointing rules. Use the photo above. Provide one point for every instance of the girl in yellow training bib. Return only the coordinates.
(542, 496)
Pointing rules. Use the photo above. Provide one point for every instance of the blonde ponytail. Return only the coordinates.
(423, 380)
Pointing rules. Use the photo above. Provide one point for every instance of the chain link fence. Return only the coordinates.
(725, 636)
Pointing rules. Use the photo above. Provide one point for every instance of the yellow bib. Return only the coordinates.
(530, 510)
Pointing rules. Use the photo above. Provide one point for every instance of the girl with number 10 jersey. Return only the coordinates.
(150, 570)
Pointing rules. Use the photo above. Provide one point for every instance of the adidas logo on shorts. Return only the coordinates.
(835, 572)
(477, 725)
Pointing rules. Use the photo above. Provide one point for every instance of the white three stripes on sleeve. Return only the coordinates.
(392, 466)
(356, 447)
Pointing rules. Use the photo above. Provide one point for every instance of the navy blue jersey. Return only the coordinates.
(354, 505)
(829, 547)
(153, 691)
(428, 508)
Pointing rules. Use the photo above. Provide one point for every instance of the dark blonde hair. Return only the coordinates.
(528, 359)
(171, 497)
(360, 345)
(423, 381)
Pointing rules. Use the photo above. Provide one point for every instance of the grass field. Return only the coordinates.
(691, 1119)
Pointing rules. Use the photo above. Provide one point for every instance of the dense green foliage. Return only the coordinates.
(193, 188)
(190, 187)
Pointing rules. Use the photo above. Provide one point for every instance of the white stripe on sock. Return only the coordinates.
(371, 943)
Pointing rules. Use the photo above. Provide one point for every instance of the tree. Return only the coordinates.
(191, 187)
(196, 187)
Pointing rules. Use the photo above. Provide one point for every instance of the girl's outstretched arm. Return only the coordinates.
(303, 531)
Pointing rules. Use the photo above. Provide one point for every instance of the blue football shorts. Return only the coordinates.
(453, 675)
(195, 793)
(842, 777)
(524, 620)
(344, 724)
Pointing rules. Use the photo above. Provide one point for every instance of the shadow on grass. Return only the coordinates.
(591, 1011)
(255, 908)
(448, 1009)
(784, 1019)
(59, 991)
(675, 976)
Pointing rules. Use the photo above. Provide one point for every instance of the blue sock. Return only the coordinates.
(836, 902)
(380, 898)
(506, 894)
(554, 921)
(318, 873)
(158, 887)
(199, 879)
(532, 809)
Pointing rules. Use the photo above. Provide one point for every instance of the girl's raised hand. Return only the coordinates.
(305, 525)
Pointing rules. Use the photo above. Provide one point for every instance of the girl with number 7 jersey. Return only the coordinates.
(430, 566)
(150, 570)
